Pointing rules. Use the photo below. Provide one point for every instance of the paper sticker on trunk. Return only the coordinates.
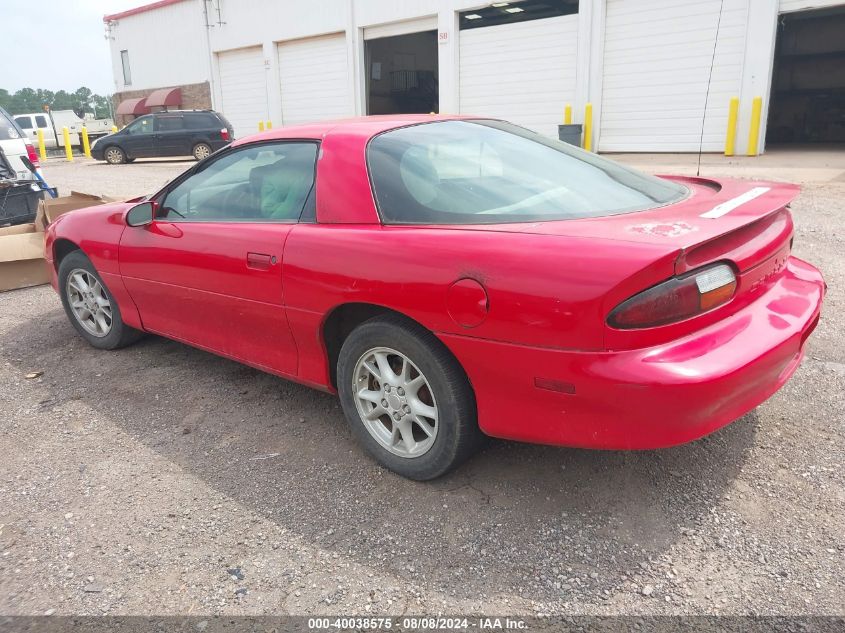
(726, 207)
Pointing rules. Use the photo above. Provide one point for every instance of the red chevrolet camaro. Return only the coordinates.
(454, 277)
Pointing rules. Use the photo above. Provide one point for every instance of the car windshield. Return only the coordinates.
(491, 172)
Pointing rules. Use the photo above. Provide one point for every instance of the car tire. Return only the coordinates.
(114, 155)
(76, 267)
(444, 396)
(201, 151)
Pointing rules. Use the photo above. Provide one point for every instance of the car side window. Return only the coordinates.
(201, 121)
(144, 125)
(168, 123)
(24, 121)
(268, 182)
(41, 121)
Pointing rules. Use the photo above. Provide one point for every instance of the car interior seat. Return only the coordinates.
(281, 187)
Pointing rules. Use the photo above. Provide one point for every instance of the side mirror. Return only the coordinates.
(141, 214)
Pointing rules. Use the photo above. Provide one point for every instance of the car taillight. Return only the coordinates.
(31, 155)
(677, 299)
(224, 134)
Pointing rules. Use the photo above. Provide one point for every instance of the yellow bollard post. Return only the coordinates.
(730, 140)
(42, 149)
(269, 125)
(68, 148)
(567, 115)
(754, 132)
(588, 127)
(86, 145)
(261, 126)
(114, 129)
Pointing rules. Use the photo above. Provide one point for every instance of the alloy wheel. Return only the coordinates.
(88, 301)
(395, 402)
(114, 155)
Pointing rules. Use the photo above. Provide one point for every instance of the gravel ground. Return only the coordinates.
(163, 480)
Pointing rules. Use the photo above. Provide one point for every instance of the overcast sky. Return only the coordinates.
(57, 44)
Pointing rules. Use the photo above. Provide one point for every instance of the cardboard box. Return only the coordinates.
(51, 208)
(22, 257)
(22, 262)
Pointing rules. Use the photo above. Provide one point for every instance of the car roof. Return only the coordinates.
(367, 126)
(185, 112)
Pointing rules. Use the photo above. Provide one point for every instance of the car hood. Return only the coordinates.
(101, 139)
(110, 212)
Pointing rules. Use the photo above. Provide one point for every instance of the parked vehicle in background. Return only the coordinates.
(195, 133)
(450, 277)
(51, 124)
(15, 144)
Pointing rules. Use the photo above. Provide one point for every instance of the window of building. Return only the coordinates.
(508, 12)
(127, 75)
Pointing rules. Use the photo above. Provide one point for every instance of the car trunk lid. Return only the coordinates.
(743, 221)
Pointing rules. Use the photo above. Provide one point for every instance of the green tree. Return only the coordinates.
(82, 100)
(62, 101)
(83, 97)
(102, 106)
(24, 100)
(45, 97)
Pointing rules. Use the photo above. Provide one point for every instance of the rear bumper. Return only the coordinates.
(646, 398)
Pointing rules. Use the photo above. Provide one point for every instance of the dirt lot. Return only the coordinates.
(161, 480)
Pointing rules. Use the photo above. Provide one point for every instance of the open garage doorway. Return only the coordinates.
(402, 74)
(808, 87)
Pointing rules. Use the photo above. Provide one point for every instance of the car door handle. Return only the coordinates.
(260, 261)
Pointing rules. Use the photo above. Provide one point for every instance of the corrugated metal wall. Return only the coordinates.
(167, 47)
(643, 63)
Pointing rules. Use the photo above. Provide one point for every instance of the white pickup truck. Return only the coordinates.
(51, 124)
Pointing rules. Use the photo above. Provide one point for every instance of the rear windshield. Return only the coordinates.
(490, 172)
(8, 128)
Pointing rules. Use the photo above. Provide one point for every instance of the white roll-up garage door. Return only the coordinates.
(314, 76)
(656, 63)
(243, 88)
(522, 72)
(405, 27)
(786, 6)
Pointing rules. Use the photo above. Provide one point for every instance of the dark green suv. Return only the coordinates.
(195, 133)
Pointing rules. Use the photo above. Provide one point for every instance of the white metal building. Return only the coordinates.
(644, 65)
